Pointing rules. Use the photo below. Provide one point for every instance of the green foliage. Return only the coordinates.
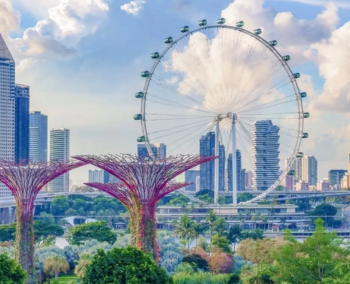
(196, 261)
(169, 252)
(46, 218)
(255, 235)
(99, 231)
(10, 271)
(124, 266)
(220, 243)
(59, 205)
(242, 197)
(325, 212)
(41, 230)
(185, 229)
(321, 258)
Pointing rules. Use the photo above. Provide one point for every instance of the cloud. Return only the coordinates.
(60, 32)
(340, 3)
(334, 66)
(9, 20)
(134, 7)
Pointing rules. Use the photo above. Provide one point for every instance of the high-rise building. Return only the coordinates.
(222, 165)
(59, 151)
(302, 185)
(265, 154)
(96, 176)
(206, 149)
(289, 182)
(22, 124)
(38, 134)
(248, 179)
(7, 108)
(158, 149)
(191, 176)
(324, 185)
(309, 170)
(335, 177)
(240, 174)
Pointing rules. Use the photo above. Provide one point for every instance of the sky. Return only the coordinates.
(82, 60)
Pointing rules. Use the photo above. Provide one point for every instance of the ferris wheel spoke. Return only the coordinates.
(269, 104)
(180, 126)
(179, 131)
(284, 82)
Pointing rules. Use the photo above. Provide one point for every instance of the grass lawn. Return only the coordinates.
(64, 279)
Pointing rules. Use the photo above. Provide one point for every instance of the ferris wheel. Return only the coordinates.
(223, 90)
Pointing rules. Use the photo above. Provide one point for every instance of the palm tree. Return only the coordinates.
(84, 261)
(235, 235)
(55, 265)
(185, 229)
(261, 275)
(211, 220)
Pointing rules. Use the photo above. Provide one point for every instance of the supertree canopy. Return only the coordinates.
(144, 182)
(25, 182)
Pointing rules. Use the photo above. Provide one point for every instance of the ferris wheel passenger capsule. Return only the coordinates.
(303, 94)
(168, 40)
(155, 55)
(306, 114)
(273, 42)
(291, 173)
(141, 139)
(240, 24)
(202, 22)
(138, 116)
(286, 58)
(185, 29)
(305, 135)
(221, 21)
(139, 95)
(296, 75)
(257, 31)
(145, 74)
(300, 155)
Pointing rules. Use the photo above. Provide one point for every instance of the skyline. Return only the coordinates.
(97, 133)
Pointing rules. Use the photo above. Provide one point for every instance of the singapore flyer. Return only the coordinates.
(224, 91)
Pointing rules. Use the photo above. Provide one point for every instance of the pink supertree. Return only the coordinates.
(25, 182)
(144, 182)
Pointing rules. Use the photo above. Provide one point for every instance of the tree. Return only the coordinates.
(221, 262)
(59, 205)
(220, 243)
(325, 212)
(220, 227)
(55, 265)
(10, 271)
(244, 197)
(313, 261)
(196, 261)
(211, 220)
(124, 266)
(99, 231)
(234, 235)
(47, 218)
(84, 261)
(185, 229)
(7, 232)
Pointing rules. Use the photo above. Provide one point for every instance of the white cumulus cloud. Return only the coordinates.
(134, 7)
(9, 20)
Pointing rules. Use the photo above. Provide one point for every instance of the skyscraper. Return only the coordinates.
(37, 136)
(265, 154)
(96, 176)
(248, 179)
(22, 123)
(191, 176)
(207, 148)
(7, 107)
(239, 172)
(309, 170)
(335, 177)
(158, 149)
(59, 151)
(222, 164)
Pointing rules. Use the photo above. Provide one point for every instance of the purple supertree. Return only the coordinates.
(25, 182)
(144, 182)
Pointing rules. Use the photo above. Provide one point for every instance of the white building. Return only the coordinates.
(59, 151)
(324, 185)
(7, 108)
(265, 154)
(309, 170)
(96, 176)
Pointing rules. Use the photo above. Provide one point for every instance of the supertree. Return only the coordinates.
(25, 181)
(143, 183)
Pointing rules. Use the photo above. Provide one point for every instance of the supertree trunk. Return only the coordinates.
(24, 244)
(144, 229)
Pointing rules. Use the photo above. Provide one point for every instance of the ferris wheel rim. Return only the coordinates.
(283, 63)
